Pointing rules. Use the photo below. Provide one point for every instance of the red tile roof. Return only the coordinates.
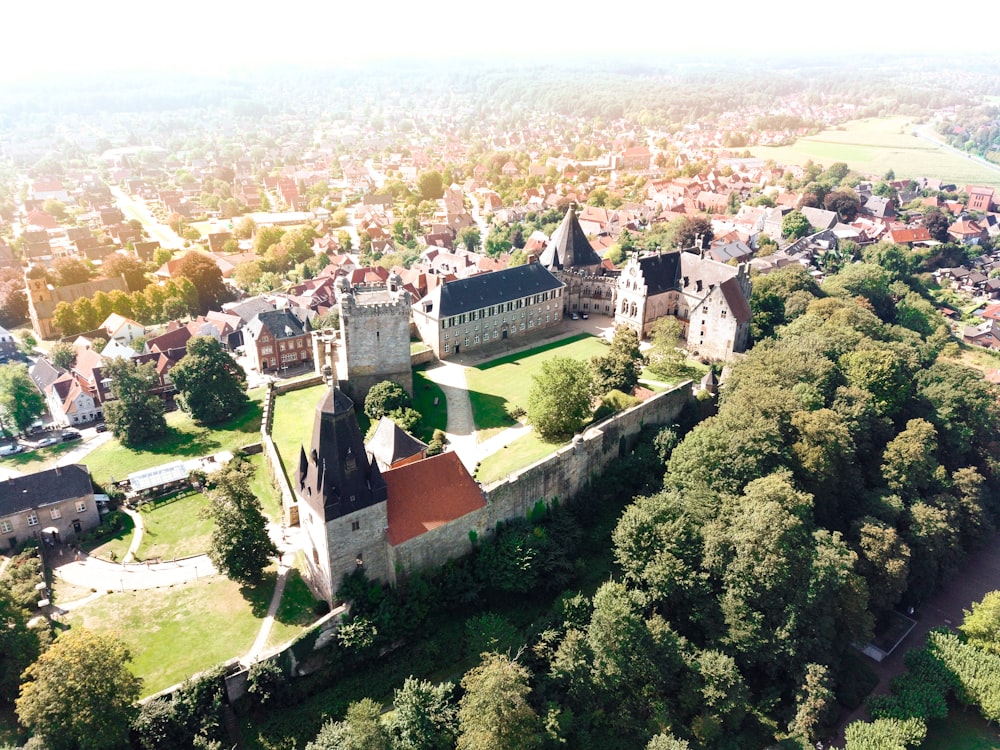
(427, 494)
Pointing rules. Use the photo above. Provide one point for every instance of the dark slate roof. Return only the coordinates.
(661, 272)
(737, 301)
(282, 324)
(569, 246)
(336, 468)
(391, 443)
(19, 494)
(486, 289)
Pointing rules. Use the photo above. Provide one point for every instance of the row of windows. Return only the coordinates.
(496, 324)
(489, 312)
(6, 527)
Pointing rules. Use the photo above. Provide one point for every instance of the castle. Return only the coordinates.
(373, 343)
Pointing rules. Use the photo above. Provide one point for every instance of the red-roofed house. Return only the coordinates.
(907, 236)
(967, 232)
(980, 198)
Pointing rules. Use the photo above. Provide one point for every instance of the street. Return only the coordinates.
(136, 209)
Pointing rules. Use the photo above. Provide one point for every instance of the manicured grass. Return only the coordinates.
(115, 547)
(296, 611)
(184, 440)
(38, 459)
(175, 527)
(521, 453)
(264, 489)
(418, 346)
(178, 631)
(294, 415)
(875, 146)
(509, 378)
(961, 731)
(425, 393)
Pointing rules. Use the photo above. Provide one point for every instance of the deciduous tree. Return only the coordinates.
(135, 416)
(494, 713)
(211, 384)
(240, 546)
(20, 400)
(426, 717)
(80, 693)
(19, 645)
(619, 369)
(795, 225)
(559, 400)
(206, 276)
(385, 397)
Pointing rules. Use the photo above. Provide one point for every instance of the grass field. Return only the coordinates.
(509, 378)
(294, 414)
(117, 546)
(875, 146)
(521, 453)
(175, 527)
(185, 439)
(961, 731)
(262, 487)
(178, 631)
(432, 416)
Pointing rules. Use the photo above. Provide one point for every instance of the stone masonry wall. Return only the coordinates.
(561, 475)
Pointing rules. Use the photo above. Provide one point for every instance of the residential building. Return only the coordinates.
(482, 313)
(61, 499)
(278, 339)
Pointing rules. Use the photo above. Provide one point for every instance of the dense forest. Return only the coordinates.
(849, 468)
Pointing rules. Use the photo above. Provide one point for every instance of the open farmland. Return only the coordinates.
(875, 146)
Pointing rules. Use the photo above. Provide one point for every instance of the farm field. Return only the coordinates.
(875, 146)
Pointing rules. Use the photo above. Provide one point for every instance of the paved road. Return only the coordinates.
(136, 209)
(979, 575)
(927, 133)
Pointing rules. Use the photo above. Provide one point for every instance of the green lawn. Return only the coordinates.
(175, 527)
(178, 631)
(294, 415)
(425, 393)
(521, 453)
(875, 146)
(184, 440)
(509, 378)
(296, 611)
(961, 731)
(116, 546)
(263, 488)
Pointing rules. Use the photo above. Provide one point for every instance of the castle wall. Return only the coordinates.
(562, 475)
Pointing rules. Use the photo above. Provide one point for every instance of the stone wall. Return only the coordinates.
(561, 475)
(422, 358)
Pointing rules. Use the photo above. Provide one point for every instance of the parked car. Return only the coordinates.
(46, 442)
(70, 435)
(574, 316)
(585, 316)
(10, 450)
(102, 427)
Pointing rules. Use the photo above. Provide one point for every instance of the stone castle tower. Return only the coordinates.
(374, 338)
(342, 498)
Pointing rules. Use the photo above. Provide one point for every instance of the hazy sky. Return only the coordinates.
(72, 35)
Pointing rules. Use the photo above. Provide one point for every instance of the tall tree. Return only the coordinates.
(19, 645)
(135, 416)
(211, 384)
(361, 729)
(981, 625)
(431, 185)
(20, 400)
(559, 400)
(80, 694)
(494, 713)
(619, 369)
(426, 718)
(206, 276)
(795, 225)
(240, 546)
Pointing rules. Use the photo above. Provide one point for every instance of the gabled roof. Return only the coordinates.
(737, 301)
(569, 246)
(282, 324)
(391, 443)
(23, 493)
(486, 289)
(660, 271)
(430, 493)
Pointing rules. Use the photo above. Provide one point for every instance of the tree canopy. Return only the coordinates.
(211, 384)
(206, 276)
(20, 401)
(559, 399)
(80, 694)
(135, 415)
